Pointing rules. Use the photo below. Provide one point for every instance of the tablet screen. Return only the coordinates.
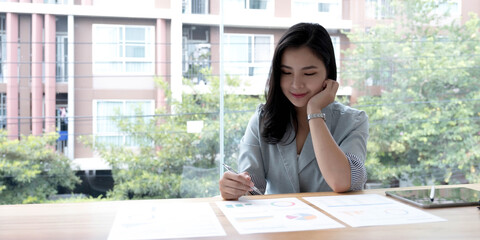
(444, 197)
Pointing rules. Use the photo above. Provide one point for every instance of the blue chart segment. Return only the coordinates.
(238, 205)
(301, 216)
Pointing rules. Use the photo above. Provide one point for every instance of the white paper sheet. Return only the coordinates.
(153, 220)
(371, 210)
(274, 215)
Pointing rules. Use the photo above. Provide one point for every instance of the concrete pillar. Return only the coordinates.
(161, 60)
(50, 77)
(11, 75)
(71, 87)
(176, 51)
(37, 61)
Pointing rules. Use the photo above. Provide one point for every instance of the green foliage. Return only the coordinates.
(170, 162)
(31, 171)
(425, 124)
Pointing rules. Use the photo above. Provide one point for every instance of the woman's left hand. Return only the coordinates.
(324, 97)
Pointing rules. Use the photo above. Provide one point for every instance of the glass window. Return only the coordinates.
(248, 55)
(3, 110)
(62, 58)
(195, 6)
(248, 4)
(56, 1)
(124, 4)
(123, 49)
(378, 9)
(258, 4)
(109, 112)
(316, 7)
(336, 48)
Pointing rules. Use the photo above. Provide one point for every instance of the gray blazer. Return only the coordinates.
(274, 167)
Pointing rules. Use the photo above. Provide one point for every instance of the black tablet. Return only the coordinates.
(443, 197)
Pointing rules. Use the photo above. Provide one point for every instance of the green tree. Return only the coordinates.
(169, 162)
(425, 124)
(31, 171)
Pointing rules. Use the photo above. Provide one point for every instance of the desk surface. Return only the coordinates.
(93, 220)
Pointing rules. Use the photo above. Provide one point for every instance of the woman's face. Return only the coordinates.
(302, 75)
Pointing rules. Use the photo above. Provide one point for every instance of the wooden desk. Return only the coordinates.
(93, 220)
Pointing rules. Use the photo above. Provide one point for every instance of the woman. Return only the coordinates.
(301, 140)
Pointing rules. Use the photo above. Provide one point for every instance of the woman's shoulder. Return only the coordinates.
(340, 110)
(256, 117)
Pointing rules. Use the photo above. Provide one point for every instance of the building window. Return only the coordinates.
(107, 112)
(248, 55)
(61, 70)
(316, 7)
(195, 6)
(56, 1)
(196, 52)
(450, 8)
(248, 4)
(3, 110)
(123, 49)
(336, 49)
(378, 9)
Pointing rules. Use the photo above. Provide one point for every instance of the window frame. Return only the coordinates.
(252, 63)
(117, 133)
(122, 44)
(233, 8)
(297, 11)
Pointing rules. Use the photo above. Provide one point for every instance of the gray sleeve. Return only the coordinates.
(250, 156)
(353, 142)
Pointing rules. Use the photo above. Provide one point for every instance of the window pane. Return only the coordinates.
(237, 54)
(258, 4)
(108, 67)
(135, 51)
(3, 56)
(106, 43)
(262, 52)
(138, 67)
(262, 56)
(135, 34)
(116, 46)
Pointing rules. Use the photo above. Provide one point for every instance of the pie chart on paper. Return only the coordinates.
(301, 216)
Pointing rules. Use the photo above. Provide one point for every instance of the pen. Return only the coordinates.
(255, 189)
(432, 193)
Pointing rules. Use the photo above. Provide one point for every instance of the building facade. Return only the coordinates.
(67, 64)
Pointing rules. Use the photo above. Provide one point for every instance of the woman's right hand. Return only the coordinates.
(233, 186)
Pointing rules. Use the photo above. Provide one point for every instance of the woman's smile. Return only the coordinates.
(298, 95)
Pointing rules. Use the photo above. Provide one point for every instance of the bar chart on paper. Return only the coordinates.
(274, 215)
(371, 210)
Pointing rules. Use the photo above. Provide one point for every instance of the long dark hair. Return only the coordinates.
(278, 112)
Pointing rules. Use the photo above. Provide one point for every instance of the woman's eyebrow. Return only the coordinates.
(304, 68)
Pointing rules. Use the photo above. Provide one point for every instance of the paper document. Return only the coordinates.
(371, 210)
(274, 215)
(154, 220)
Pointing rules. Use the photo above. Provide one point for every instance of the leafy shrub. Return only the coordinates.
(31, 170)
